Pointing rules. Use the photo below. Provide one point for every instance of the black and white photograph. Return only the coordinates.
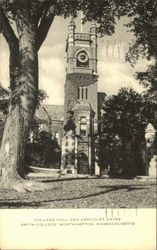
(78, 108)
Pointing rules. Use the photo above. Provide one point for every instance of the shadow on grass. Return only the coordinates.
(37, 204)
(68, 179)
(19, 204)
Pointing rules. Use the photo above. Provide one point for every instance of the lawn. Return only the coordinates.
(84, 192)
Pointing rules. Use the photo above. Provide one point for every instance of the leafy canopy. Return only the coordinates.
(142, 22)
(126, 113)
(104, 12)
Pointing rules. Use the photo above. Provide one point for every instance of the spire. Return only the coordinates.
(72, 25)
(81, 22)
(93, 27)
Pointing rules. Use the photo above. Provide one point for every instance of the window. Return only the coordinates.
(31, 137)
(83, 119)
(83, 126)
(41, 127)
(86, 93)
(78, 93)
(57, 136)
(83, 93)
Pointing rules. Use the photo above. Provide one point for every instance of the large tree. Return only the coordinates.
(32, 20)
(143, 24)
(122, 137)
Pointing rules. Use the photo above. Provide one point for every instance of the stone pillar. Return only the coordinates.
(89, 155)
(151, 152)
(153, 166)
(71, 32)
(97, 166)
(76, 153)
(68, 153)
(94, 45)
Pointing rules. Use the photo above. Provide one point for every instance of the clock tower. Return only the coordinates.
(81, 99)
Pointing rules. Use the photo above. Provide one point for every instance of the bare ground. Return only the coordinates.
(84, 192)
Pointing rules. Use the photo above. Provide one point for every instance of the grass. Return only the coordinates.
(84, 193)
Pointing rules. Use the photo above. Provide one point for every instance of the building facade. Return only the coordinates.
(80, 102)
(75, 124)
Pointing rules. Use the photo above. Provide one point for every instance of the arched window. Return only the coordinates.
(83, 126)
(57, 136)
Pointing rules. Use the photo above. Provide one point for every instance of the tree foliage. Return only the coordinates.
(125, 117)
(143, 24)
(130, 112)
(141, 13)
(4, 98)
(44, 153)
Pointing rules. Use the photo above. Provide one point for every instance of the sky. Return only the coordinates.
(113, 71)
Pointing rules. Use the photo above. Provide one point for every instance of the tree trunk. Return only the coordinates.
(127, 157)
(23, 103)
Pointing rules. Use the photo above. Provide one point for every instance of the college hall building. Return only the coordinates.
(75, 124)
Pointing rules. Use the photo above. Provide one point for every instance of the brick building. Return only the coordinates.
(50, 118)
(81, 99)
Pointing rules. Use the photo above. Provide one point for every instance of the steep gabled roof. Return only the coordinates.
(55, 112)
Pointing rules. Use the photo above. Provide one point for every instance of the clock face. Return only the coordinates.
(82, 57)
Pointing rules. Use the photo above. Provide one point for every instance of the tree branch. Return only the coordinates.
(7, 31)
(46, 22)
(12, 41)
